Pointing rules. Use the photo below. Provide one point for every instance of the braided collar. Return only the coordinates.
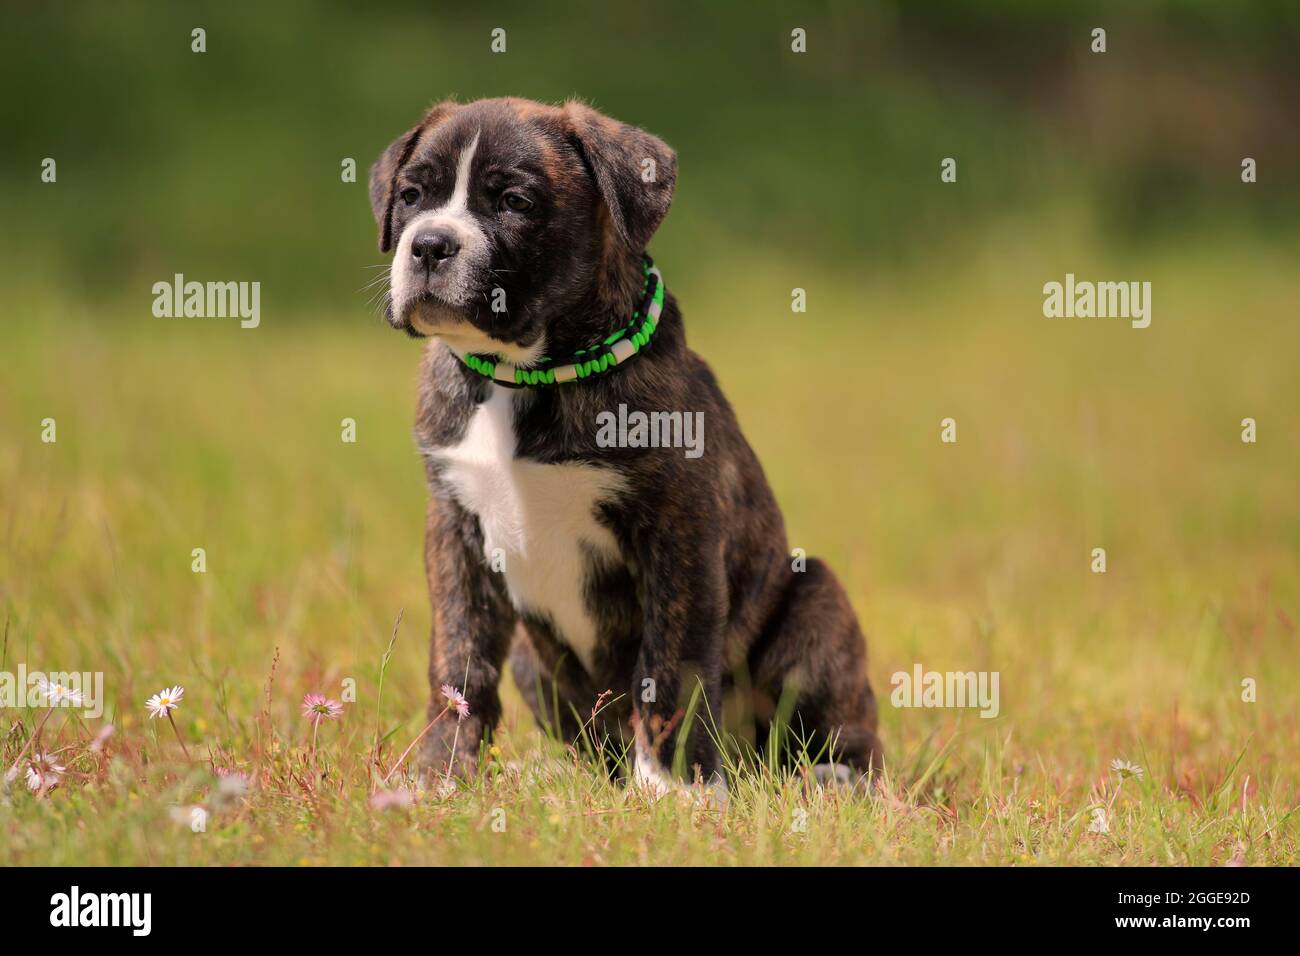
(589, 362)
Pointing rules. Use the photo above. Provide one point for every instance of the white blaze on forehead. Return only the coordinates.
(460, 195)
(458, 280)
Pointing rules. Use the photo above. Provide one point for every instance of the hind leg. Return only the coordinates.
(812, 660)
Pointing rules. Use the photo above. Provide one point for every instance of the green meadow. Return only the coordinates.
(974, 555)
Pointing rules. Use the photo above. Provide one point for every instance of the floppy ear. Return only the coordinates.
(634, 171)
(383, 174)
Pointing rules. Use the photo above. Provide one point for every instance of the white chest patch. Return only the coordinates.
(540, 516)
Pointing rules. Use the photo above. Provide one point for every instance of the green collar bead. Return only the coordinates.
(586, 363)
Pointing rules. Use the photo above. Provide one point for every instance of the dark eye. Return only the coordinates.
(516, 203)
(410, 195)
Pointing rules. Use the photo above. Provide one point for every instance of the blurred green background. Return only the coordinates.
(818, 171)
(228, 162)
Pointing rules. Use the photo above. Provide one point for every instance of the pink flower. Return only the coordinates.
(387, 799)
(101, 738)
(456, 701)
(318, 706)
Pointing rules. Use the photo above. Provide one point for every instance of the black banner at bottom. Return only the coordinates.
(182, 905)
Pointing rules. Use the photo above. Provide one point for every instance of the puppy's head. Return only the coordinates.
(509, 221)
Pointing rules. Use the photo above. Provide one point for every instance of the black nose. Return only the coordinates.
(433, 246)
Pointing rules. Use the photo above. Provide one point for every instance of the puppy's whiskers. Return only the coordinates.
(382, 277)
(383, 290)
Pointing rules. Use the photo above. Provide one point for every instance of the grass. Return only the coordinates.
(1072, 434)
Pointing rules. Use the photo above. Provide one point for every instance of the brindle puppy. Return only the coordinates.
(518, 234)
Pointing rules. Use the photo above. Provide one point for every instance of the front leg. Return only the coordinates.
(683, 598)
(472, 624)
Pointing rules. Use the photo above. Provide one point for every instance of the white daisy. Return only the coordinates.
(44, 771)
(1126, 769)
(57, 694)
(164, 702)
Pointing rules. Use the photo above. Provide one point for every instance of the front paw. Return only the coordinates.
(838, 776)
(450, 751)
(649, 775)
(652, 778)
